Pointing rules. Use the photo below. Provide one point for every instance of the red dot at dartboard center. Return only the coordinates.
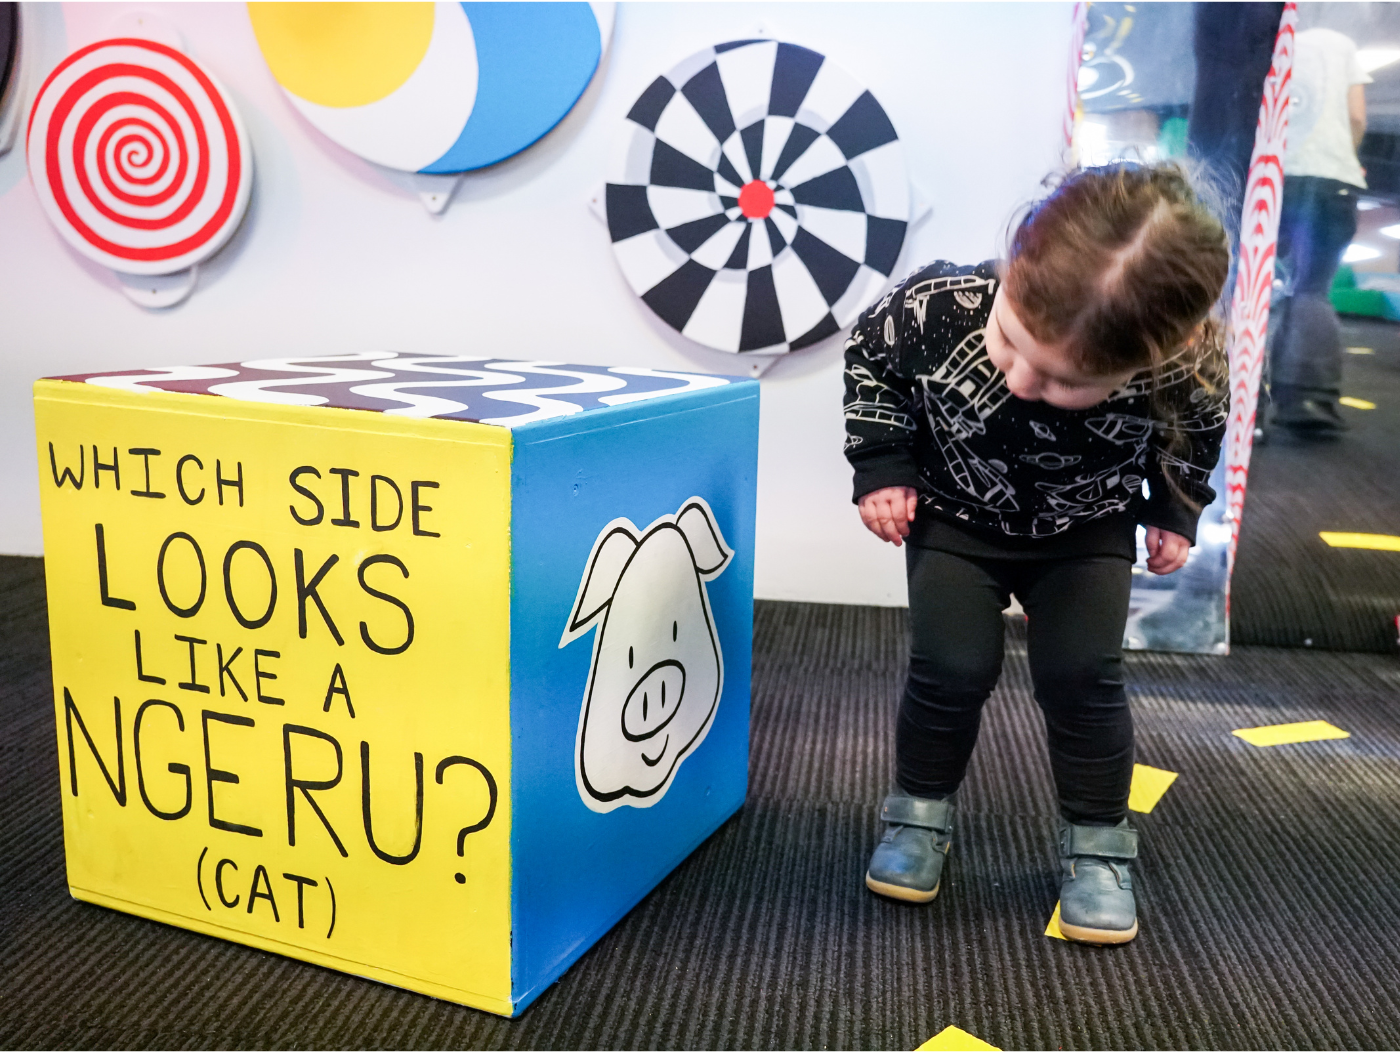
(756, 200)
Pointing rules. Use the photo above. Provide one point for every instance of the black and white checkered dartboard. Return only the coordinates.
(758, 197)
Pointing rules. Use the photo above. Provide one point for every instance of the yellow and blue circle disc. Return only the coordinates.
(432, 87)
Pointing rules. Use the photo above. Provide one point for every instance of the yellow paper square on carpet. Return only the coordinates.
(1378, 542)
(1283, 734)
(1149, 784)
(1053, 929)
(955, 1038)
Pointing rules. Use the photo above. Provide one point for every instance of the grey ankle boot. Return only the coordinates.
(1096, 891)
(908, 861)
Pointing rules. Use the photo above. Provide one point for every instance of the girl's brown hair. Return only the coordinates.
(1125, 265)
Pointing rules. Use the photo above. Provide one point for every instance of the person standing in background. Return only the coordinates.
(1322, 177)
(1233, 45)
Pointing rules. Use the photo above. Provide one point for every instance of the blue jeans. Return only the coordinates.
(1316, 223)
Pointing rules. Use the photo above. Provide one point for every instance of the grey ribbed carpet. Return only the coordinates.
(1270, 902)
(1291, 589)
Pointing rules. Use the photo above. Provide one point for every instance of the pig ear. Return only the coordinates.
(697, 523)
(610, 555)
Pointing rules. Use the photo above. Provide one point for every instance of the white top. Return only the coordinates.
(1325, 67)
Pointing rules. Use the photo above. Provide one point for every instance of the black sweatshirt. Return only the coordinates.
(926, 408)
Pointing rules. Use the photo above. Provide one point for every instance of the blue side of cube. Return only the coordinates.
(576, 872)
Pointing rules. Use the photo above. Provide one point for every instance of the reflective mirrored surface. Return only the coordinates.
(1318, 562)
(1319, 557)
(1179, 81)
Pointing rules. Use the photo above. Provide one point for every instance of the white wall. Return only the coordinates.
(335, 257)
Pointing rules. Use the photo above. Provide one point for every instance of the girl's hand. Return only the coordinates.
(888, 512)
(1166, 551)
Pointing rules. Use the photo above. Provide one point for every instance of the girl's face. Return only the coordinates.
(1040, 372)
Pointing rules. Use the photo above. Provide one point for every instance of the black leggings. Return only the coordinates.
(1077, 609)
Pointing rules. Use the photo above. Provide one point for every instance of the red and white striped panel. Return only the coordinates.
(138, 157)
(1249, 307)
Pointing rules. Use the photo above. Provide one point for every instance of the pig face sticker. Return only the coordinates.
(657, 670)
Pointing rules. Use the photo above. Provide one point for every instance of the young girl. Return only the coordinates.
(1003, 419)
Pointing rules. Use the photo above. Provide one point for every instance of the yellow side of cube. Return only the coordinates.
(302, 778)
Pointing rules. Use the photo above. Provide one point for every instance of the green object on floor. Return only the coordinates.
(1348, 299)
(1172, 139)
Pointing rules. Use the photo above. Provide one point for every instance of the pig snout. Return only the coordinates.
(652, 704)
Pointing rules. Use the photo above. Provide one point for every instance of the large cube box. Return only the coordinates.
(424, 668)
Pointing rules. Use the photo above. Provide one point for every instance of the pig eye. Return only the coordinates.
(629, 658)
(673, 631)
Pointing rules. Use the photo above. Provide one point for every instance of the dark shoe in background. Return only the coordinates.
(1306, 413)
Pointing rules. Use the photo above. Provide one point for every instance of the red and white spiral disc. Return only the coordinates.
(138, 156)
